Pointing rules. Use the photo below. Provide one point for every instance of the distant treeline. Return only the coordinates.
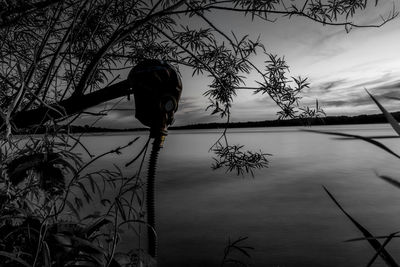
(330, 120)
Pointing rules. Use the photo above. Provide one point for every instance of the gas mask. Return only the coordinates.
(157, 90)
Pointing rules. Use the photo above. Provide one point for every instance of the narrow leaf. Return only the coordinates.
(46, 255)
(380, 250)
(14, 258)
(366, 139)
(105, 201)
(390, 180)
(120, 208)
(395, 125)
(72, 208)
(373, 242)
(94, 227)
(86, 194)
(374, 237)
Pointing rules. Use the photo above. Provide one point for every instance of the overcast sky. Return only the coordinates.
(339, 66)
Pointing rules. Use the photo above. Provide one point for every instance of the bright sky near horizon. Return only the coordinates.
(339, 66)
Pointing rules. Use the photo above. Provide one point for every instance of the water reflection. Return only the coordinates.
(288, 217)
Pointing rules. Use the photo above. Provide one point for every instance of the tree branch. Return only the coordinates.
(12, 15)
(118, 36)
(69, 106)
(393, 14)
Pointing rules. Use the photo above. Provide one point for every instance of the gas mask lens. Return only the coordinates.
(169, 104)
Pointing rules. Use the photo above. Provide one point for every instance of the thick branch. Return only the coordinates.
(70, 106)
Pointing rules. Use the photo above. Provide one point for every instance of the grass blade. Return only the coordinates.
(395, 125)
(390, 180)
(373, 242)
(380, 250)
(46, 255)
(374, 237)
(72, 208)
(120, 208)
(371, 137)
(366, 139)
(12, 256)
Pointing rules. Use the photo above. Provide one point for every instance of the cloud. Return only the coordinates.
(349, 102)
(325, 44)
(343, 96)
(328, 86)
(187, 104)
(348, 97)
(391, 86)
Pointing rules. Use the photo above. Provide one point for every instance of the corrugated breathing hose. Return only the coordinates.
(150, 199)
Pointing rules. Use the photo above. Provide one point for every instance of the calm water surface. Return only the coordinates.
(284, 211)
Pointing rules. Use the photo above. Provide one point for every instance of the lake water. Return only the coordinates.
(284, 211)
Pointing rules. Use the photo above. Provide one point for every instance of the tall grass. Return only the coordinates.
(379, 247)
(43, 187)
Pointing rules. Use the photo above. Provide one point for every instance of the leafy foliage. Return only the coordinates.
(234, 251)
(40, 191)
(234, 159)
(44, 166)
(278, 86)
(57, 50)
